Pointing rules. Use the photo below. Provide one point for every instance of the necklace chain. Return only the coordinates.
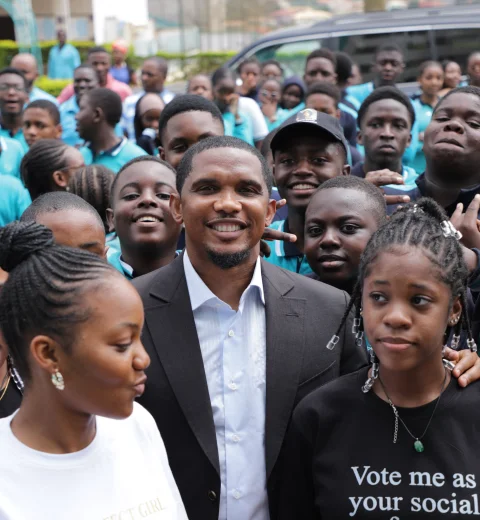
(398, 418)
(7, 377)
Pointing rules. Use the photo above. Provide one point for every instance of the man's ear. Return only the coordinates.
(360, 137)
(110, 220)
(176, 208)
(162, 152)
(271, 210)
(409, 142)
(98, 115)
(346, 169)
(58, 131)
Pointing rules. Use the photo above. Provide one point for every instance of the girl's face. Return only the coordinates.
(270, 92)
(338, 225)
(272, 71)
(453, 75)
(250, 75)
(431, 80)
(104, 371)
(291, 97)
(406, 309)
(150, 118)
(201, 86)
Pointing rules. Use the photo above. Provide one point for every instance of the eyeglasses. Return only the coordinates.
(267, 93)
(4, 87)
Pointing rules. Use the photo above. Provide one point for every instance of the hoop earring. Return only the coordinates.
(57, 380)
(371, 380)
(357, 328)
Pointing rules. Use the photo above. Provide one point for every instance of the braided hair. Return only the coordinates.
(38, 164)
(423, 224)
(43, 293)
(93, 184)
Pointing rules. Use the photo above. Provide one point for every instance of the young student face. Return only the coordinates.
(104, 371)
(84, 80)
(184, 130)
(151, 118)
(201, 86)
(338, 225)
(141, 213)
(75, 228)
(101, 62)
(431, 80)
(86, 118)
(13, 94)
(38, 124)
(323, 103)
(73, 161)
(270, 92)
(272, 71)
(153, 77)
(453, 75)
(319, 70)
(453, 134)
(304, 161)
(385, 131)
(388, 66)
(406, 309)
(225, 206)
(473, 68)
(224, 93)
(292, 96)
(250, 74)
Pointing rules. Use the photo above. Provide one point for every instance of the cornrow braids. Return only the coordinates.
(423, 224)
(43, 293)
(93, 183)
(38, 164)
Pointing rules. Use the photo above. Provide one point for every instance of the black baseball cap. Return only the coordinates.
(317, 121)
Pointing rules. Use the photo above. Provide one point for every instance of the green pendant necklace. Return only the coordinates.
(418, 444)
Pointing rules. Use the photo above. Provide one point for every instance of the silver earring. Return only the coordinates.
(472, 345)
(15, 375)
(371, 380)
(57, 380)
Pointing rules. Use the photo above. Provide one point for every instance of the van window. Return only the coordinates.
(291, 55)
(456, 44)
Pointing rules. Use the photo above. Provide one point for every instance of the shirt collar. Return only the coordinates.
(200, 293)
(114, 150)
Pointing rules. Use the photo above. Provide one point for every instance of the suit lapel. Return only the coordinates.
(285, 342)
(172, 327)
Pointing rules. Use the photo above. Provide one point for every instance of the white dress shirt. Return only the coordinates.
(233, 345)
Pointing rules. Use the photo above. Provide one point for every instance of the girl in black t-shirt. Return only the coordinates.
(397, 440)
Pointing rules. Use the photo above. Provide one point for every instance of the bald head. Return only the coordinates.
(28, 65)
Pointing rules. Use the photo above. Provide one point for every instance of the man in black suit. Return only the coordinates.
(234, 342)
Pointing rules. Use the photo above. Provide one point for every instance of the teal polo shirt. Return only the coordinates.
(423, 116)
(116, 157)
(242, 130)
(114, 258)
(17, 137)
(286, 254)
(11, 155)
(15, 199)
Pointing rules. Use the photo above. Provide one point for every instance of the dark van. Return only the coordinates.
(423, 34)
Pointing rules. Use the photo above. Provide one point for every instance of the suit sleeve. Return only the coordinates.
(297, 495)
(353, 357)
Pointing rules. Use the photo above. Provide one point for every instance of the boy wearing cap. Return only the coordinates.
(308, 149)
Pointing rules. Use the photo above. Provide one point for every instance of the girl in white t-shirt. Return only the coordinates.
(72, 324)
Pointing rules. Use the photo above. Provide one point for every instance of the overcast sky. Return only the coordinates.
(133, 11)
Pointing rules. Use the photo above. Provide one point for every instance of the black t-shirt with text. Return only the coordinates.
(341, 461)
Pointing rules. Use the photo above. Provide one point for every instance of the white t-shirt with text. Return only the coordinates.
(122, 475)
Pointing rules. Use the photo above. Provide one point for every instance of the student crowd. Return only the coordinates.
(293, 263)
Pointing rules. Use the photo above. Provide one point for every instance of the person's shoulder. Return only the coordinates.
(304, 286)
(134, 149)
(144, 283)
(11, 183)
(331, 401)
(14, 145)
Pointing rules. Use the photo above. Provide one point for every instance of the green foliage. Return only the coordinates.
(189, 64)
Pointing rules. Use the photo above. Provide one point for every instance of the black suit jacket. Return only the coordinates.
(301, 317)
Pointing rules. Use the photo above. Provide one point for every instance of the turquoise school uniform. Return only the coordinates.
(242, 130)
(114, 258)
(14, 200)
(38, 93)
(62, 62)
(361, 92)
(11, 155)
(116, 157)
(68, 111)
(281, 115)
(286, 254)
(423, 116)
(19, 137)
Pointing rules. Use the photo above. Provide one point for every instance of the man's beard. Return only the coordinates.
(228, 260)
